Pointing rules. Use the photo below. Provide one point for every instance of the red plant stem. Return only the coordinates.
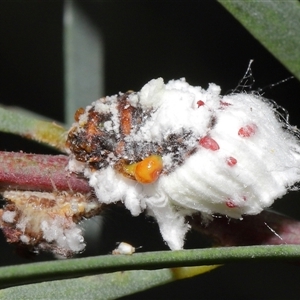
(267, 228)
(37, 172)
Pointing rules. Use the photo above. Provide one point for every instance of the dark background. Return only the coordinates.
(198, 40)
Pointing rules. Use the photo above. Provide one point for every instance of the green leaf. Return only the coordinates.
(276, 24)
(37, 272)
(107, 286)
(48, 133)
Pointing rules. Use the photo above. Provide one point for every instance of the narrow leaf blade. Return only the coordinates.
(106, 286)
(48, 133)
(275, 24)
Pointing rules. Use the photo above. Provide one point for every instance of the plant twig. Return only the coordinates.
(38, 172)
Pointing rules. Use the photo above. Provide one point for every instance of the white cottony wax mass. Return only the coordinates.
(174, 149)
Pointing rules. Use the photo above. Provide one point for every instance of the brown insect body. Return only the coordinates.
(92, 143)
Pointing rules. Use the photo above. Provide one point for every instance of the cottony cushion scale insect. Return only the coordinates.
(174, 149)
